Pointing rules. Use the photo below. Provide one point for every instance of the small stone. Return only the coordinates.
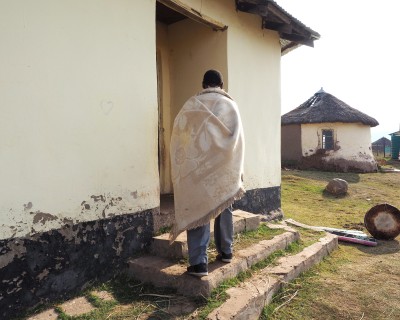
(50, 314)
(77, 306)
(337, 186)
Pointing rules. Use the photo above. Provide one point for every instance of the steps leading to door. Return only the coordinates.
(242, 221)
(247, 300)
(162, 272)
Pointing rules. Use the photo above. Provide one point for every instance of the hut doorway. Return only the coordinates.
(186, 47)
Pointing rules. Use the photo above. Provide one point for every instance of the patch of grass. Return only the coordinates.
(355, 282)
(302, 185)
(387, 162)
(308, 237)
(304, 293)
(134, 298)
(302, 201)
(219, 295)
(162, 230)
(263, 232)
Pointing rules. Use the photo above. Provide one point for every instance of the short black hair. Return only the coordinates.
(212, 78)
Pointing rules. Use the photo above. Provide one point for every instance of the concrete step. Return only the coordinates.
(248, 300)
(162, 272)
(242, 221)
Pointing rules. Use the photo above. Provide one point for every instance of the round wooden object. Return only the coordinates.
(383, 221)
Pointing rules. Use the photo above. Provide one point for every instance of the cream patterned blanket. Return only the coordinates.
(207, 151)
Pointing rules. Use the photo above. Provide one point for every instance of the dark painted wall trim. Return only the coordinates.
(55, 264)
(265, 201)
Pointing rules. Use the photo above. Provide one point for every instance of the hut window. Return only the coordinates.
(327, 139)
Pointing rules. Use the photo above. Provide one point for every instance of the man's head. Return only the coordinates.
(212, 79)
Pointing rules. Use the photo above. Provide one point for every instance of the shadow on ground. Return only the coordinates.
(384, 247)
(326, 175)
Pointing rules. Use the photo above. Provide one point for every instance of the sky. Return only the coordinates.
(356, 58)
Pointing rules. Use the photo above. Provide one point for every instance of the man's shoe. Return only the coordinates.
(224, 257)
(198, 270)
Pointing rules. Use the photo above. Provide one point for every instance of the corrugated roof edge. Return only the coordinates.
(292, 32)
(312, 32)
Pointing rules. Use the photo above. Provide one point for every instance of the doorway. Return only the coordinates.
(185, 50)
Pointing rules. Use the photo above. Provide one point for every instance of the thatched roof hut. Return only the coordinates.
(382, 142)
(382, 145)
(324, 107)
(326, 133)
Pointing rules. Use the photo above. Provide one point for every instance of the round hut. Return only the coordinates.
(327, 134)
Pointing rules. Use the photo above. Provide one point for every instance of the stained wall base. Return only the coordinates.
(55, 264)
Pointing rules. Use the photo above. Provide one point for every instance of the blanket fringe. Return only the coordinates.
(211, 215)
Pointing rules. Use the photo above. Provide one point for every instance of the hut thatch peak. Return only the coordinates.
(324, 107)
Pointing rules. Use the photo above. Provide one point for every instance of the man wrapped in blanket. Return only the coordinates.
(207, 153)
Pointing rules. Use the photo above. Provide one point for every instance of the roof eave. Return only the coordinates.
(292, 32)
(298, 122)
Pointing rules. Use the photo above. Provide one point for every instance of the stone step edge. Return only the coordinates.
(242, 221)
(162, 272)
(248, 300)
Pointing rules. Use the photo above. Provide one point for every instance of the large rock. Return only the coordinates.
(337, 186)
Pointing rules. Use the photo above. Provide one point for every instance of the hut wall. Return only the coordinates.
(79, 173)
(352, 147)
(291, 151)
(79, 127)
(64, 89)
(254, 81)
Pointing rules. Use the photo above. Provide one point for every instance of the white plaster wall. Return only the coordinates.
(78, 111)
(351, 138)
(311, 137)
(79, 106)
(253, 57)
(254, 79)
(195, 48)
(187, 49)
